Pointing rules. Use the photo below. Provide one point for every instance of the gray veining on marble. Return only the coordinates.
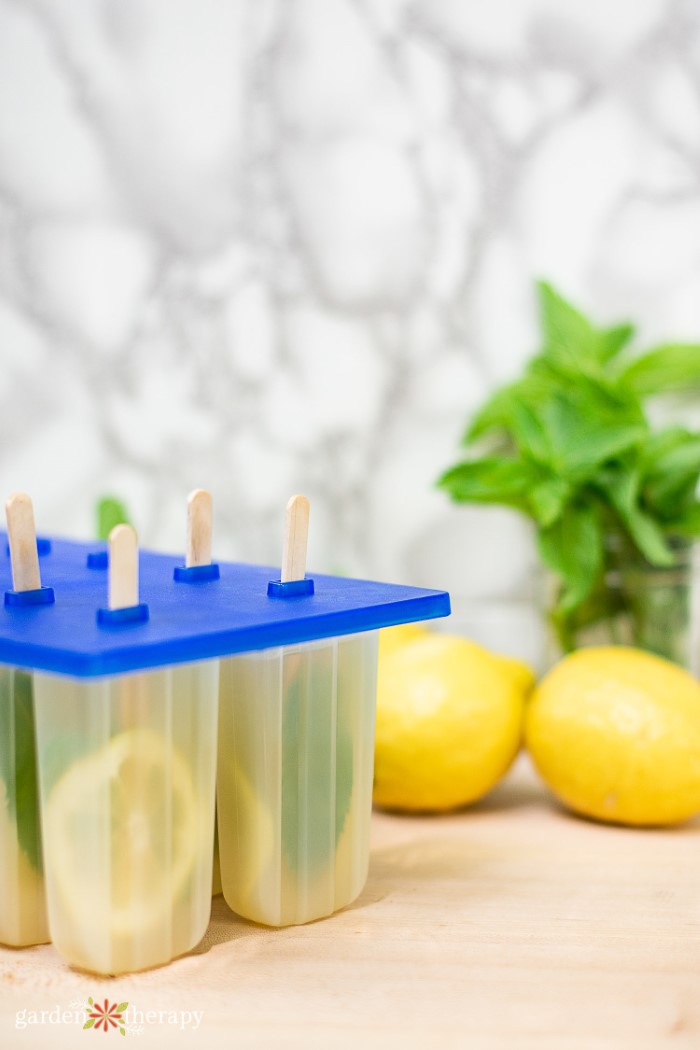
(266, 246)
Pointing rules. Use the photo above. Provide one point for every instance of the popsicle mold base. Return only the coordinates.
(294, 783)
(127, 782)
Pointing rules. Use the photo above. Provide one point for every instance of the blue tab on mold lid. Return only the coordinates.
(37, 596)
(196, 573)
(97, 559)
(118, 617)
(234, 615)
(290, 589)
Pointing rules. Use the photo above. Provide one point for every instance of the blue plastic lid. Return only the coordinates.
(190, 618)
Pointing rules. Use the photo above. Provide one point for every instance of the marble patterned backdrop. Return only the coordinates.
(268, 246)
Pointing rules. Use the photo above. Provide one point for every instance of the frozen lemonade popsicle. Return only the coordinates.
(23, 917)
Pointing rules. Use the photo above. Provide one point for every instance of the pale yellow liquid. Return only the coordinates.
(23, 918)
(125, 893)
(287, 861)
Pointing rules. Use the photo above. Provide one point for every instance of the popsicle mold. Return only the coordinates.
(125, 713)
(127, 776)
(294, 784)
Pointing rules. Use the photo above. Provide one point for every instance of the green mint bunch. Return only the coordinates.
(570, 445)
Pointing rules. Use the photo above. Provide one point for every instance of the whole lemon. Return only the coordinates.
(449, 722)
(392, 638)
(615, 733)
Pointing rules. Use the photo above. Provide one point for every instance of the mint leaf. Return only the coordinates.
(612, 340)
(586, 425)
(665, 369)
(686, 524)
(622, 487)
(548, 499)
(498, 413)
(570, 338)
(514, 483)
(494, 480)
(568, 334)
(672, 475)
(110, 512)
(494, 415)
(317, 764)
(660, 442)
(531, 433)
(573, 548)
(18, 760)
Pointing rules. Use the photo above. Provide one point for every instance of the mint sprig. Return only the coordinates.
(570, 445)
(109, 512)
(18, 761)
(317, 763)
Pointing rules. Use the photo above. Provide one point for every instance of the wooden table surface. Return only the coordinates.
(511, 924)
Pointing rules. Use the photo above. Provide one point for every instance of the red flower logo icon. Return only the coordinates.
(105, 1017)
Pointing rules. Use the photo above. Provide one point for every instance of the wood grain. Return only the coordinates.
(123, 568)
(296, 531)
(199, 528)
(21, 536)
(512, 924)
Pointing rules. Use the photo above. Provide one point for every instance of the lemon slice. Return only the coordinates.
(246, 840)
(121, 832)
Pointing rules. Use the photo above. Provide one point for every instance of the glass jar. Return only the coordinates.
(638, 604)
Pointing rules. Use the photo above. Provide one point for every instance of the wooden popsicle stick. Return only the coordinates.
(199, 528)
(22, 538)
(123, 568)
(296, 531)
